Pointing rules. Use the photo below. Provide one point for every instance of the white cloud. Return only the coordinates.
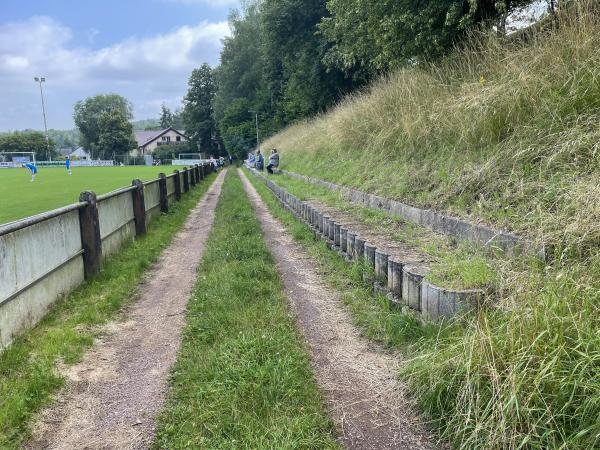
(147, 70)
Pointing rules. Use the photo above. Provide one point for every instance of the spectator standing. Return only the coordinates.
(273, 161)
(260, 160)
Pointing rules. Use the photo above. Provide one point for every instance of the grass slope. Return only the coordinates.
(501, 131)
(527, 377)
(28, 375)
(242, 377)
(54, 188)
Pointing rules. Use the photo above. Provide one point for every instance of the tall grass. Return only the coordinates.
(503, 131)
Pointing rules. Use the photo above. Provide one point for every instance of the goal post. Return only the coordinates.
(16, 159)
(189, 156)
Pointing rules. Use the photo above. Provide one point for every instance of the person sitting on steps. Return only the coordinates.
(273, 161)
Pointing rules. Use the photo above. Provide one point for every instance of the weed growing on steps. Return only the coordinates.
(523, 377)
(242, 378)
(519, 150)
(28, 372)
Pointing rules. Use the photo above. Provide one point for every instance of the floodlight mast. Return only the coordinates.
(41, 80)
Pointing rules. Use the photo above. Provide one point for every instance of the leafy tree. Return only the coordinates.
(369, 37)
(166, 117)
(27, 141)
(115, 134)
(198, 118)
(293, 52)
(87, 117)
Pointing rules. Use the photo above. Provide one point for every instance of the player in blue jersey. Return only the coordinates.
(68, 165)
(32, 169)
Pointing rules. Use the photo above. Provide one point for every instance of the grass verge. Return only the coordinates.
(28, 368)
(242, 378)
(523, 377)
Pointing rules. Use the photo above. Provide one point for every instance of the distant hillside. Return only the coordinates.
(146, 124)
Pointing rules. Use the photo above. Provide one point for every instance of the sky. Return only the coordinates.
(144, 50)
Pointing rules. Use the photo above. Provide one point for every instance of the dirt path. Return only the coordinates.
(114, 394)
(369, 406)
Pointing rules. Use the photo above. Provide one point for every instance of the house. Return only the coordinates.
(148, 141)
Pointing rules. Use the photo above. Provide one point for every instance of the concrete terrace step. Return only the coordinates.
(395, 269)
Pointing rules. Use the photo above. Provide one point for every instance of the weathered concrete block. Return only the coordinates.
(344, 239)
(412, 280)
(350, 244)
(381, 265)
(395, 277)
(370, 255)
(337, 234)
(439, 303)
(331, 229)
(359, 248)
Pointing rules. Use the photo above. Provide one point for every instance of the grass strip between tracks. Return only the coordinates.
(242, 378)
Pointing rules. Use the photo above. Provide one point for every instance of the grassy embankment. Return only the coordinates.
(242, 378)
(28, 368)
(54, 188)
(507, 133)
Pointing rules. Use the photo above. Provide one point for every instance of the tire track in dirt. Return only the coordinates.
(369, 405)
(113, 396)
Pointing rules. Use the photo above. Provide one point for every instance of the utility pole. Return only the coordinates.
(41, 80)
(257, 138)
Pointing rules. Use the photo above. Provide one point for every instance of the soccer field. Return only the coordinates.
(53, 187)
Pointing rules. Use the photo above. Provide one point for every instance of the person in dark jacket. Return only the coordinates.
(273, 161)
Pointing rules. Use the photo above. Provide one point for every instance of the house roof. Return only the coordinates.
(143, 138)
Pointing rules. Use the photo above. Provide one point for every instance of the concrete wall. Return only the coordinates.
(435, 220)
(116, 222)
(38, 264)
(42, 257)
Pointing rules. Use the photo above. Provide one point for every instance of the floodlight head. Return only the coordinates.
(43, 79)
(36, 79)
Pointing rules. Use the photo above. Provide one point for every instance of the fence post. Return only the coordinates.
(89, 225)
(192, 176)
(202, 174)
(139, 207)
(197, 170)
(186, 181)
(162, 189)
(177, 182)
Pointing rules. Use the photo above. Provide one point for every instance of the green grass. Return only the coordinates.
(28, 374)
(526, 375)
(54, 188)
(242, 378)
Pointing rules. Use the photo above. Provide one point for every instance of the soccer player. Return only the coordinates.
(32, 169)
(68, 165)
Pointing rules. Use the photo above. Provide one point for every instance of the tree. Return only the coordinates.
(198, 118)
(27, 141)
(369, 37)
(87, 116)
(166, 117)
(115, 134)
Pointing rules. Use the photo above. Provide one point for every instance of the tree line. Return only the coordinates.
(287, 60)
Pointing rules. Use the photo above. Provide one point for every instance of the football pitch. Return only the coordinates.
(54, 187)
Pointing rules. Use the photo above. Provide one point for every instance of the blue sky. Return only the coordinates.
(141, 49)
